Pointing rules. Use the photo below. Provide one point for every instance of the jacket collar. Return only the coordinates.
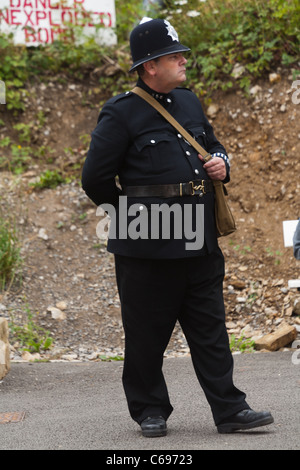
(161, 97)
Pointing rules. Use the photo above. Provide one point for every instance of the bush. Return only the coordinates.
(10, 260)
(257, 35)
(13, 71)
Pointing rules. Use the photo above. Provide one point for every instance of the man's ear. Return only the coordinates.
(150, 67)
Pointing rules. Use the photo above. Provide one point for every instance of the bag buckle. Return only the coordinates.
(198, 189)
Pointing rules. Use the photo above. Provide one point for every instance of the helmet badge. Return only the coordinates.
(171, 31)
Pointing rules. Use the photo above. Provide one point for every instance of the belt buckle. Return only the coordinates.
(198, 189)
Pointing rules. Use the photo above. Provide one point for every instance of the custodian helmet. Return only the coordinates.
(152, 39)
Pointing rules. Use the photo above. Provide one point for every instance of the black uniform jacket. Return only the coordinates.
(134, 142)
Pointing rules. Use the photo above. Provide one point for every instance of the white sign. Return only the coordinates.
(35, 22)
(289, 229)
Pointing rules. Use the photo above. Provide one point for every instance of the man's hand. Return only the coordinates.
(215, 168)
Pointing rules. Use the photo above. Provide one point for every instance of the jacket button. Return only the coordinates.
(188, 153)
(197, 172)
(152, 141)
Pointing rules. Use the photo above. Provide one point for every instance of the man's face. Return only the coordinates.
(170, 71)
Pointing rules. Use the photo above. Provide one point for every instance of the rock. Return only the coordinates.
(42, 234)
(93, 356)
(238, 70)
(212, 110)
(255, 90)
(238, 284)
(61, 305)
(296, 308)
(254, 157)
(230, 325)
(284, 335)
(243, 268)
(247, 332)
(278, 283)
(289, 312)
(56, 313)
(27, 356)
(69, 357)
(274, 78)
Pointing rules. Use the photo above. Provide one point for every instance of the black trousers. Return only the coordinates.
(154, 294)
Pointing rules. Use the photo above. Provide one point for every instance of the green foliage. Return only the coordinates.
(17, 155)
(30, 335)
(105, 358)
(128, 14)
(10, 259)
(13, 71)
(49, 179)
(255, 34)
(275, 255)
(18, 159)
(241, 344)
(242, 250)
(24, 131)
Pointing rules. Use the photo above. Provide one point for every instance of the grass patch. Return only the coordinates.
(49, 179)
(241, 344)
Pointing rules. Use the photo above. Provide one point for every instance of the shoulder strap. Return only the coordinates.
(153, 102)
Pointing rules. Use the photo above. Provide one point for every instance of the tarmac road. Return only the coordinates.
(81, 406)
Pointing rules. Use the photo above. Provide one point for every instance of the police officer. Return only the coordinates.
(165, 275)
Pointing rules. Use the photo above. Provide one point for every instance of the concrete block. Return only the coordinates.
(4, 348)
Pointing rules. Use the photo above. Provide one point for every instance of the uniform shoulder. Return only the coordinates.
(121, 96)
(183, 89)
(184, 92)
(116, 104)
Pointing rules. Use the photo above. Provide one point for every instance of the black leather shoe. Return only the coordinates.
(246, 419)
(154, 426)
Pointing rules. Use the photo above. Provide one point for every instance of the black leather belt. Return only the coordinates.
(192, 188)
